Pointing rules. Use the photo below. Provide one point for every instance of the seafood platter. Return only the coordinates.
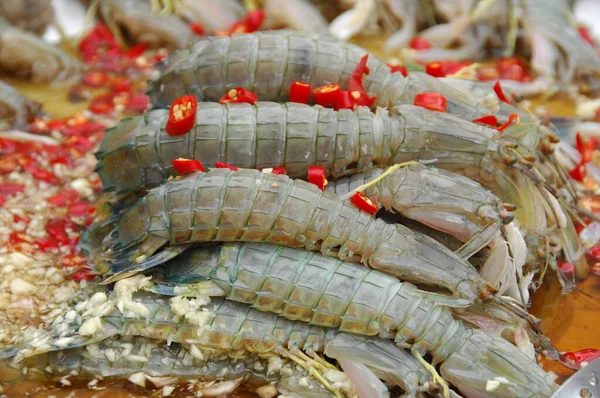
(296, 198)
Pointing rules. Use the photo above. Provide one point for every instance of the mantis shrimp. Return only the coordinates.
(216, 332)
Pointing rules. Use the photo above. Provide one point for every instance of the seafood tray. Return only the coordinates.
(297, 198)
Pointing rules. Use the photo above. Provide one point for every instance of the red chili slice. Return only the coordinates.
(197, 29)
(221, 165)
(8, 188)
(254, 19)
(490, 120)
(578, 173)
(500, 93)
(185, 166)
(575, 359)
(586, 149)
(363, 203)
(445, 68)
(318, 176)
(64, 198)
(94, 79)
(278, 170)
(356, 86)
(327, 95)
(431, 100)
(238, 95)
(136, 51)
(345, 100)
(182, 115)
(80, 209)
(419, 43)
(584, 32)
(513, 117)
(398, 68)
(84, 275)
(300, 92)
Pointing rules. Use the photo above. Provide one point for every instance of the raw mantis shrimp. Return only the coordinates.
(27, 55)
(136, 19)
(327, 292)
(216, 331)
(247, 205)
(137, 153)
(30, 15)
(15, 109)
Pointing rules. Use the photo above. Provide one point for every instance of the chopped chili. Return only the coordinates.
(445, 68)
(327, 95)
(345, 100)
(576, 359)
(136, 51)
(94, 79)
(431, 100)
(512, 69)
(500, 93)
(185, 166)
(363, 203)
(300, 92)
(278, 170)
(197, 29)
(221, 165)
(584, 32)
(578, 173)
(398, 68)
(586, 149)
(419, 43)
(513, 117)
(490, 120)
(238, 95)
(182, 115)
(356, 86)
(254, 19)
(84, 275)
(318, 176)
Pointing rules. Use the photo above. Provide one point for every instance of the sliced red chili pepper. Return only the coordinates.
(55, 125)
(84, 275)
(57, 229)
(136, 51)
(586, 149)
(101, 108)
(197, 29)
(578, 173)
(8, 188)
(80, 209)
(361, 99)
(567, 268)
(419, 43)
(513, 117)
(94, 79)
(579, 143)
(18, 219)
(512, 69)
(318, 176)
(356, 79)
(593, 253)
(584, 32)
(182, 115)
(238, 95)
(363, 203)
(490, 120)
(431, 100)
(120, 84)
(445, 68)
(138, 103)
(72, 260)
(278, 170)
(18, 237)
(398, 68)
(84, 129)
(500, 93)
(345, 100)
(300, 92)
(327, 95)
(185, 166)
(63, 198)
(254, 19)
(221, 165)
(575, 359)
(47, 244)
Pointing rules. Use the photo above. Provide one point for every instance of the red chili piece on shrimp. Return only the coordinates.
(577, 359)
(182, 115)
(300, 92)
(318, 176)
(500, 93)
(186, 166)
(363, 203)
(513, 117)
(221, 165)
(431, 100)
(490, 120)
(238, 95)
